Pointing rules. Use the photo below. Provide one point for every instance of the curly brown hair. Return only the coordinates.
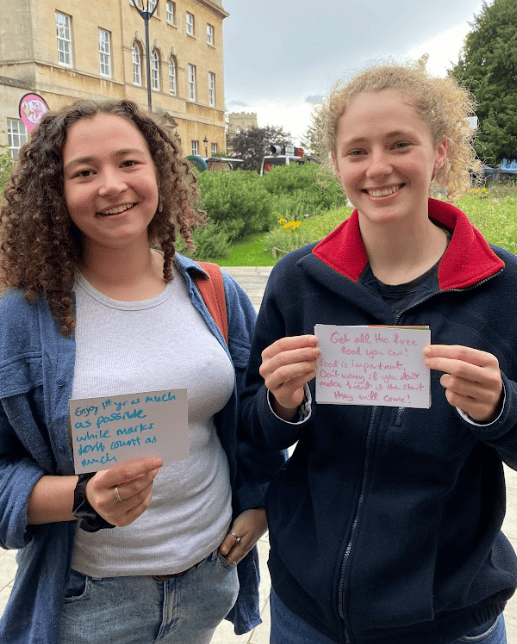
(442, 103)
(41, 246)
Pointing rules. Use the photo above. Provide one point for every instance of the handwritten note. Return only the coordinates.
(115, 429)
(362, 365)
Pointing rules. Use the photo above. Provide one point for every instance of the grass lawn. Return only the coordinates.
(250, 252)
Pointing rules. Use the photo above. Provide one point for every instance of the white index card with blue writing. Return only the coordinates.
(117, 429)
(373, 365)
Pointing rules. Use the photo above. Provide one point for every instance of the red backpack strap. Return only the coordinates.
(212, 292)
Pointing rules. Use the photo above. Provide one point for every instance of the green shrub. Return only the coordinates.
(494, 213)
(306, 189)
(289, 235)
(211, 243)
(237, 201)
(6, 167)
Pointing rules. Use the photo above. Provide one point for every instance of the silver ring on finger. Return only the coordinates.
(236, 537)
(117, 495)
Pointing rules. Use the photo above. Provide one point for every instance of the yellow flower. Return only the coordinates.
(282, 220)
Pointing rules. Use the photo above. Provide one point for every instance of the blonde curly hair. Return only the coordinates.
(41, 246)
(442, 103)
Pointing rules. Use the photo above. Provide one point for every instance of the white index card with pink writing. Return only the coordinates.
(373, 365)
(115, 429)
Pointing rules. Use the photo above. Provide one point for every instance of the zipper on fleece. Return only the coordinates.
(450, 290)
(366, 471)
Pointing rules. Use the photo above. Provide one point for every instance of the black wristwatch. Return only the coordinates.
(86, 516)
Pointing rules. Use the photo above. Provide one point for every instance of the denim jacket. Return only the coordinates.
(36, 374)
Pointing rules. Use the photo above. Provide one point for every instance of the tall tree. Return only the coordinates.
(488, 67)
(254, 144)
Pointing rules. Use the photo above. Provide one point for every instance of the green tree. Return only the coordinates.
(253, 144)
(488, 67)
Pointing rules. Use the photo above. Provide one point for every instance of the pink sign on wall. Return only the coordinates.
(32, 109)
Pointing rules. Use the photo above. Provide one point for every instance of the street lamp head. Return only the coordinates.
(148, 7)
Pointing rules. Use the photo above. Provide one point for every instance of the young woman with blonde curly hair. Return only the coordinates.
(91, 309)
(385, 522)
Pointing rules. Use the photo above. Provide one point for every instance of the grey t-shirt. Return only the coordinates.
(132, 347)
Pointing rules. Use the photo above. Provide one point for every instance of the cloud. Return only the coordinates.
(314, 98)
(237, 103)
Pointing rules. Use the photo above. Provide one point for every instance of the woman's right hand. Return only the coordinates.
(132, 482)
(287, 365)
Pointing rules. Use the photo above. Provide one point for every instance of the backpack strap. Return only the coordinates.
(212, 292)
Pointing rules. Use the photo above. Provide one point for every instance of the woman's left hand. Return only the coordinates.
(244, 533)
(472, 379)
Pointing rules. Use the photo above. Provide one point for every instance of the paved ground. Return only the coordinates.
(253, 281)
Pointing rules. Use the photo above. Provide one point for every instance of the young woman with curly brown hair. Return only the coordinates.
(385, 523)
(91, 309)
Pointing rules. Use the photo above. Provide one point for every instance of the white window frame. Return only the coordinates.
(155, 70)
(172, 76)
(213, 148)
(136, 55)
(104, 53)
(17, 135)
(64, 39)
(190, 23)
(152, 5)
(192, 83)
(171, 12)
(194, 146)
(211, 89)
(210, 31)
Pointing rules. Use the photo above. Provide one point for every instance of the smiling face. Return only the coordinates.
(385, 158)
(110, 184)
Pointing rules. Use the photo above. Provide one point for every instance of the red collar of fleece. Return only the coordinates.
(467, 260)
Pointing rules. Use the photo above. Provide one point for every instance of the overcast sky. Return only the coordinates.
(282, 55)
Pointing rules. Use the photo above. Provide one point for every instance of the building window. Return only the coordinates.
(105, 53)
(190, 24)
(152, 5)
(191, 82)
(64, 39)
(137, 64)
(172, 76)
(210, 34)
(16, 136)
(214, 148)
(171, 12)
(195, 147)
(155, 70)
(211, 89)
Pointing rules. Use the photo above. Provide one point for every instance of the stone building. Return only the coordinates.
(62, 50)
(239, 121)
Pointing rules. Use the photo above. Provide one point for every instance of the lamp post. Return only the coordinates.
(147, 15)
(205, 141)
